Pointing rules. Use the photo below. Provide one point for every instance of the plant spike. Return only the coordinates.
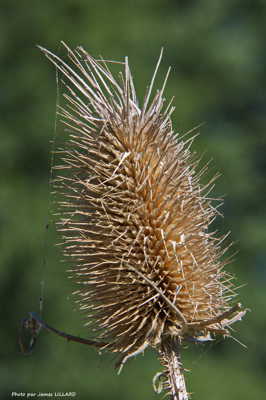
(134, 221)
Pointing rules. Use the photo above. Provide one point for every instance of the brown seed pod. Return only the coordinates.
(135, 219)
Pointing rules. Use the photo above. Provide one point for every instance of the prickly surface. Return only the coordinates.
(133, 215)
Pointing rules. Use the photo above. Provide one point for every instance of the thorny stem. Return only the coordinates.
(173, 376)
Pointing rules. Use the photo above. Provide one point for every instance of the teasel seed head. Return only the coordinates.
(134, 216)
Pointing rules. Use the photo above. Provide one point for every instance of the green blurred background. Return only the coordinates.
(218, 57)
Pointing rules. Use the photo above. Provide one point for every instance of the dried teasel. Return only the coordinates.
(134, 219)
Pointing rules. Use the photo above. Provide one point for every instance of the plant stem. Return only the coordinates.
(174, 380)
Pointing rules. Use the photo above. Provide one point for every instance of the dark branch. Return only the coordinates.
(32, 326)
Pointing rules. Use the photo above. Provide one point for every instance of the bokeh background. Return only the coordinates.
(218, 56)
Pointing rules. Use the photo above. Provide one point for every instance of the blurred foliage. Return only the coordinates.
(217, 53)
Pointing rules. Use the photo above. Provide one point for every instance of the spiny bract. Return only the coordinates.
(133, 215)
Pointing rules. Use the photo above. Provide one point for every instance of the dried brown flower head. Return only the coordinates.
(135, 219)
